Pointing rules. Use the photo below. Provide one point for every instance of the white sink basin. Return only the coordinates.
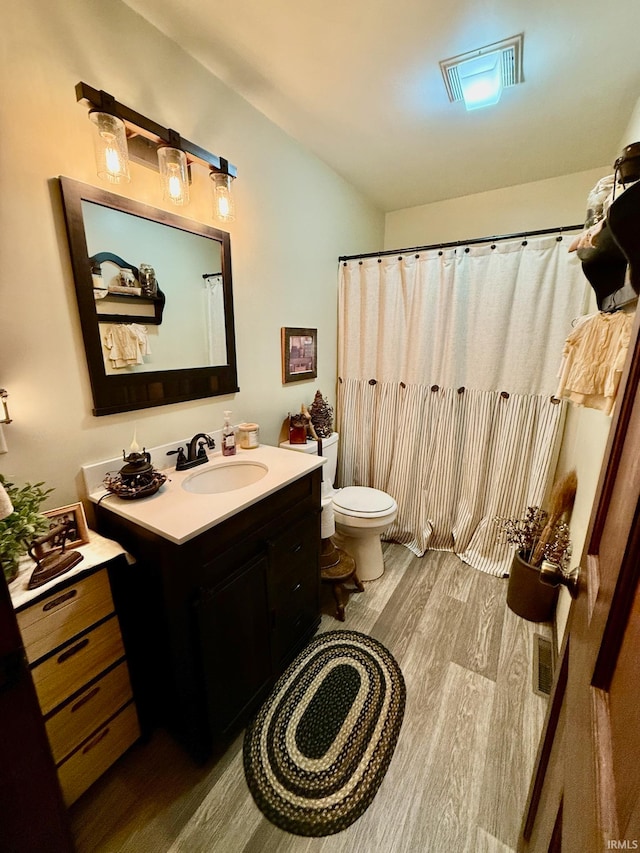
(225, 477)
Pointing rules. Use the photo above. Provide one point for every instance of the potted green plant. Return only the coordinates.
(537, 536)
(23, 525)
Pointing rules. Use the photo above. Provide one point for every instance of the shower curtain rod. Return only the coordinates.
(536, 233)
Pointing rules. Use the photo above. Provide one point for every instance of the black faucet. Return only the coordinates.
(196, 453)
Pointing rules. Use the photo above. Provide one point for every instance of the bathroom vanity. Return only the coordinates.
(224, 592)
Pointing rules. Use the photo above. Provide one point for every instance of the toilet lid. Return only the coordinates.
(363, 501)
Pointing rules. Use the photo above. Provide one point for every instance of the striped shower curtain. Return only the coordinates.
(447, 370)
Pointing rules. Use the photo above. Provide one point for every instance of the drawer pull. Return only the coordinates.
(296, 587)
(56, 602)
(84, 699)
(297, 548)
(101, 736)
(73, 650)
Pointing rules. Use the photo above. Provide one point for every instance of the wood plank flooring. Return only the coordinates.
(460, 774)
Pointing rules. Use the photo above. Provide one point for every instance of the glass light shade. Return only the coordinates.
(110, 141)
(223, 204)
(481, 80)
(174, 175)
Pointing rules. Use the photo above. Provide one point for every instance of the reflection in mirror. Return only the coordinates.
(155, 299)
(187, 269)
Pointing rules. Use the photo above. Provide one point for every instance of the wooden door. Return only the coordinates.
(585, 793)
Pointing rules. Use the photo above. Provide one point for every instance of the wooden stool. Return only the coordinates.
(337, 567)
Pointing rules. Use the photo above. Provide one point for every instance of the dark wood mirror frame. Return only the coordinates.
(112, 394)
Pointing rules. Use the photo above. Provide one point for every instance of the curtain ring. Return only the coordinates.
(504, 395)
(461, 389)
(467, 250)
(372, 382)
(344, 264)
(403, 385)
(379, 260)
(554, 400)
(440, 253)
(525, 242)
(340, 379)
(435, 387)
(493, 245)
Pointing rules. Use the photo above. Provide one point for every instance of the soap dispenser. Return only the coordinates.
(228, 437)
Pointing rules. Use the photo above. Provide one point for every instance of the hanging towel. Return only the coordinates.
(127, 344)
(592, 360)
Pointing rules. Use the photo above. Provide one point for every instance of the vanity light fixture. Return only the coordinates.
(5, 407)
(174, 175)
(124, 134)
(110, 142)
(479, 76)
(223, 205)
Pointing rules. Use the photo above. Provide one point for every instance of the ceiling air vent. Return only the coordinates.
(510, 61)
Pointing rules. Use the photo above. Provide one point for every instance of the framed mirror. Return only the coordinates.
(155, 298)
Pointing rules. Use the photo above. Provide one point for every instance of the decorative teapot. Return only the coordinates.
(138, 471)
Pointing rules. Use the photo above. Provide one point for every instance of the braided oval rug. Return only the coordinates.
(316, 753)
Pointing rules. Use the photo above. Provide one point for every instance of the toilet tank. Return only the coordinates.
(329, 450)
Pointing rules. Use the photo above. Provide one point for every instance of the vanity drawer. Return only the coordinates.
(98, 753)
(54, 620)
(75, 721)
(77, 663)
(295, 551)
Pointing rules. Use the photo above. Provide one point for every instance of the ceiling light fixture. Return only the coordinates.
(123, 134)
(479, 76)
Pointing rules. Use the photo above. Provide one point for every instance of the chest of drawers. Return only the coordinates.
(74, 647)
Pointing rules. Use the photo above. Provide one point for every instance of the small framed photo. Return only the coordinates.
(299, 354)
(78, 531)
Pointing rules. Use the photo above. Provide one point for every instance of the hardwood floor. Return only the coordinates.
(459, 777)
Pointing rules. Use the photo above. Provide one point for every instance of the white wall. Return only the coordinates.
(632, 133)
(294, 218)
(541, 204)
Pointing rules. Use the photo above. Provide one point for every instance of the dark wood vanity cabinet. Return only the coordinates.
(210, 624)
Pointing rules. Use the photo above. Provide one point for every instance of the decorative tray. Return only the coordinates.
(133, 491)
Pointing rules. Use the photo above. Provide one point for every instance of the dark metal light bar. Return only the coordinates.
(153, 131)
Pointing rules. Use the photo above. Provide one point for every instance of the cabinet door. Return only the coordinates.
(233, 623)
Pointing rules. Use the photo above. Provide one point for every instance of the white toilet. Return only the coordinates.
(358, 515)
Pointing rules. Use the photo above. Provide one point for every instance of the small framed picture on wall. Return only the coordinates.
(299, 354)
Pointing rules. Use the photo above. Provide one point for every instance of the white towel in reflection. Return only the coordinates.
(127, 343)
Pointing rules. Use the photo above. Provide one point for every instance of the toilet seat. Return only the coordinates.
(363, 502)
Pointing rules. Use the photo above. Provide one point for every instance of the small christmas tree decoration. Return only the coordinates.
(321, 416)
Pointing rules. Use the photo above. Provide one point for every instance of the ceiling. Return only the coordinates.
(358, 83)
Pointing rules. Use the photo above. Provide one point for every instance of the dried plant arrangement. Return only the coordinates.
(540, 534)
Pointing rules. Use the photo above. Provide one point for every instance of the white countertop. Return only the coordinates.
(178, 515)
